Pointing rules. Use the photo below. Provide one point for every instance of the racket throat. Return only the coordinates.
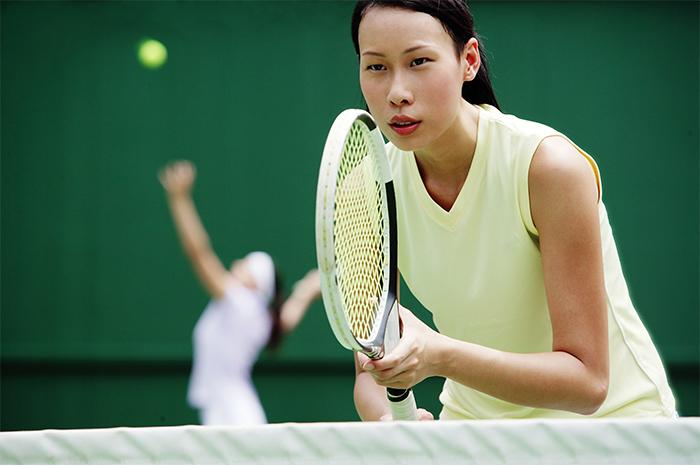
(375, 352)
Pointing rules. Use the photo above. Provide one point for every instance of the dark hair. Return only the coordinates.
(276, 333)
(459, 24)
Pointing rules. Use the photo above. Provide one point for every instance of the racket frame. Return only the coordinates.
(374, 346)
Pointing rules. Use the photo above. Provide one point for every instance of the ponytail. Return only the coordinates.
(276, 333)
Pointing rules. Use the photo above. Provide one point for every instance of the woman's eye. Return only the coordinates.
(375, 67)
(419, 61)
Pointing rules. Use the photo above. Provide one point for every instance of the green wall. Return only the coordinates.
(98, 302)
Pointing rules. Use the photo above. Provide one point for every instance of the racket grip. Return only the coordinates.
(402, 404)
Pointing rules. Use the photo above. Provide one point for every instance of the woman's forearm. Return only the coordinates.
(553, 380)
(293, 310)
(191, 232)
(370, 399)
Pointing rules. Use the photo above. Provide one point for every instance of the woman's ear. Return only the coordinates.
(471, 59)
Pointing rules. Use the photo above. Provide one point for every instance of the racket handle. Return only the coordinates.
(402, 404)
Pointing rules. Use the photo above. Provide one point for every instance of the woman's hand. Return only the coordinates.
(178, 177)
(413, 359)
(423, 415)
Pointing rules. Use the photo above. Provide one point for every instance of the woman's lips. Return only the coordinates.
(404, 128)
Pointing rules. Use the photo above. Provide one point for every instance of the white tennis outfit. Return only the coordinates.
(227, 340)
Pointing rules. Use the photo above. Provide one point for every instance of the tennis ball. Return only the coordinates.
(152, 53)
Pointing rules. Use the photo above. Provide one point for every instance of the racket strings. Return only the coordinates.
(359, 233)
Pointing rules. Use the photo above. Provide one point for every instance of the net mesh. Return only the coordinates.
(358, 232)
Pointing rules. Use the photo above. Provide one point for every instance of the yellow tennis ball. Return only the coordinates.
(152, 53)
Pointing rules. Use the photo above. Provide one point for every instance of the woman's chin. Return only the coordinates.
(403, 144)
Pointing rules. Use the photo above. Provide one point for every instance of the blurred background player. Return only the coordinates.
(247, 312)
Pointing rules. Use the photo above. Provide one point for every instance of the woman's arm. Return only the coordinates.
(573, 376)
(370, 399)
(371, 402)
(305, 291)
(177, 180)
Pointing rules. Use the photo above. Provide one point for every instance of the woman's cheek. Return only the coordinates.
(373, 98)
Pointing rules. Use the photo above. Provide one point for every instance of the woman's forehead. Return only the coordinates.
(387, 28)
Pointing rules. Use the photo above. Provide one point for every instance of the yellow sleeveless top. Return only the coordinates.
(478, 270)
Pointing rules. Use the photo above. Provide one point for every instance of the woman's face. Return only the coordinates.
(410, 76)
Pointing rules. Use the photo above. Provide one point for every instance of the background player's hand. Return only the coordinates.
(411, 361)
(178, 177)
(423, 415)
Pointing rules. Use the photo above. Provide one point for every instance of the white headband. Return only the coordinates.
(261, 267)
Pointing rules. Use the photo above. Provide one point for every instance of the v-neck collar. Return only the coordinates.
(443, 217)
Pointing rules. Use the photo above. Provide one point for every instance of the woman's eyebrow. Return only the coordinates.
(408, 50)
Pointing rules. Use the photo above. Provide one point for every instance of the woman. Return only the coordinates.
(503, 237)
(244, 316)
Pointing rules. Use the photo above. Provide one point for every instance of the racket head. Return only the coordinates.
(355, 233)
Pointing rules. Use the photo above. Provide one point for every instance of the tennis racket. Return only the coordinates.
(356, 244)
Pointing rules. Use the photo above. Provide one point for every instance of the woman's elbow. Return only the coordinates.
(594, 397)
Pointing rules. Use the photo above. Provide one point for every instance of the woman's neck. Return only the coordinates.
(445, 164)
